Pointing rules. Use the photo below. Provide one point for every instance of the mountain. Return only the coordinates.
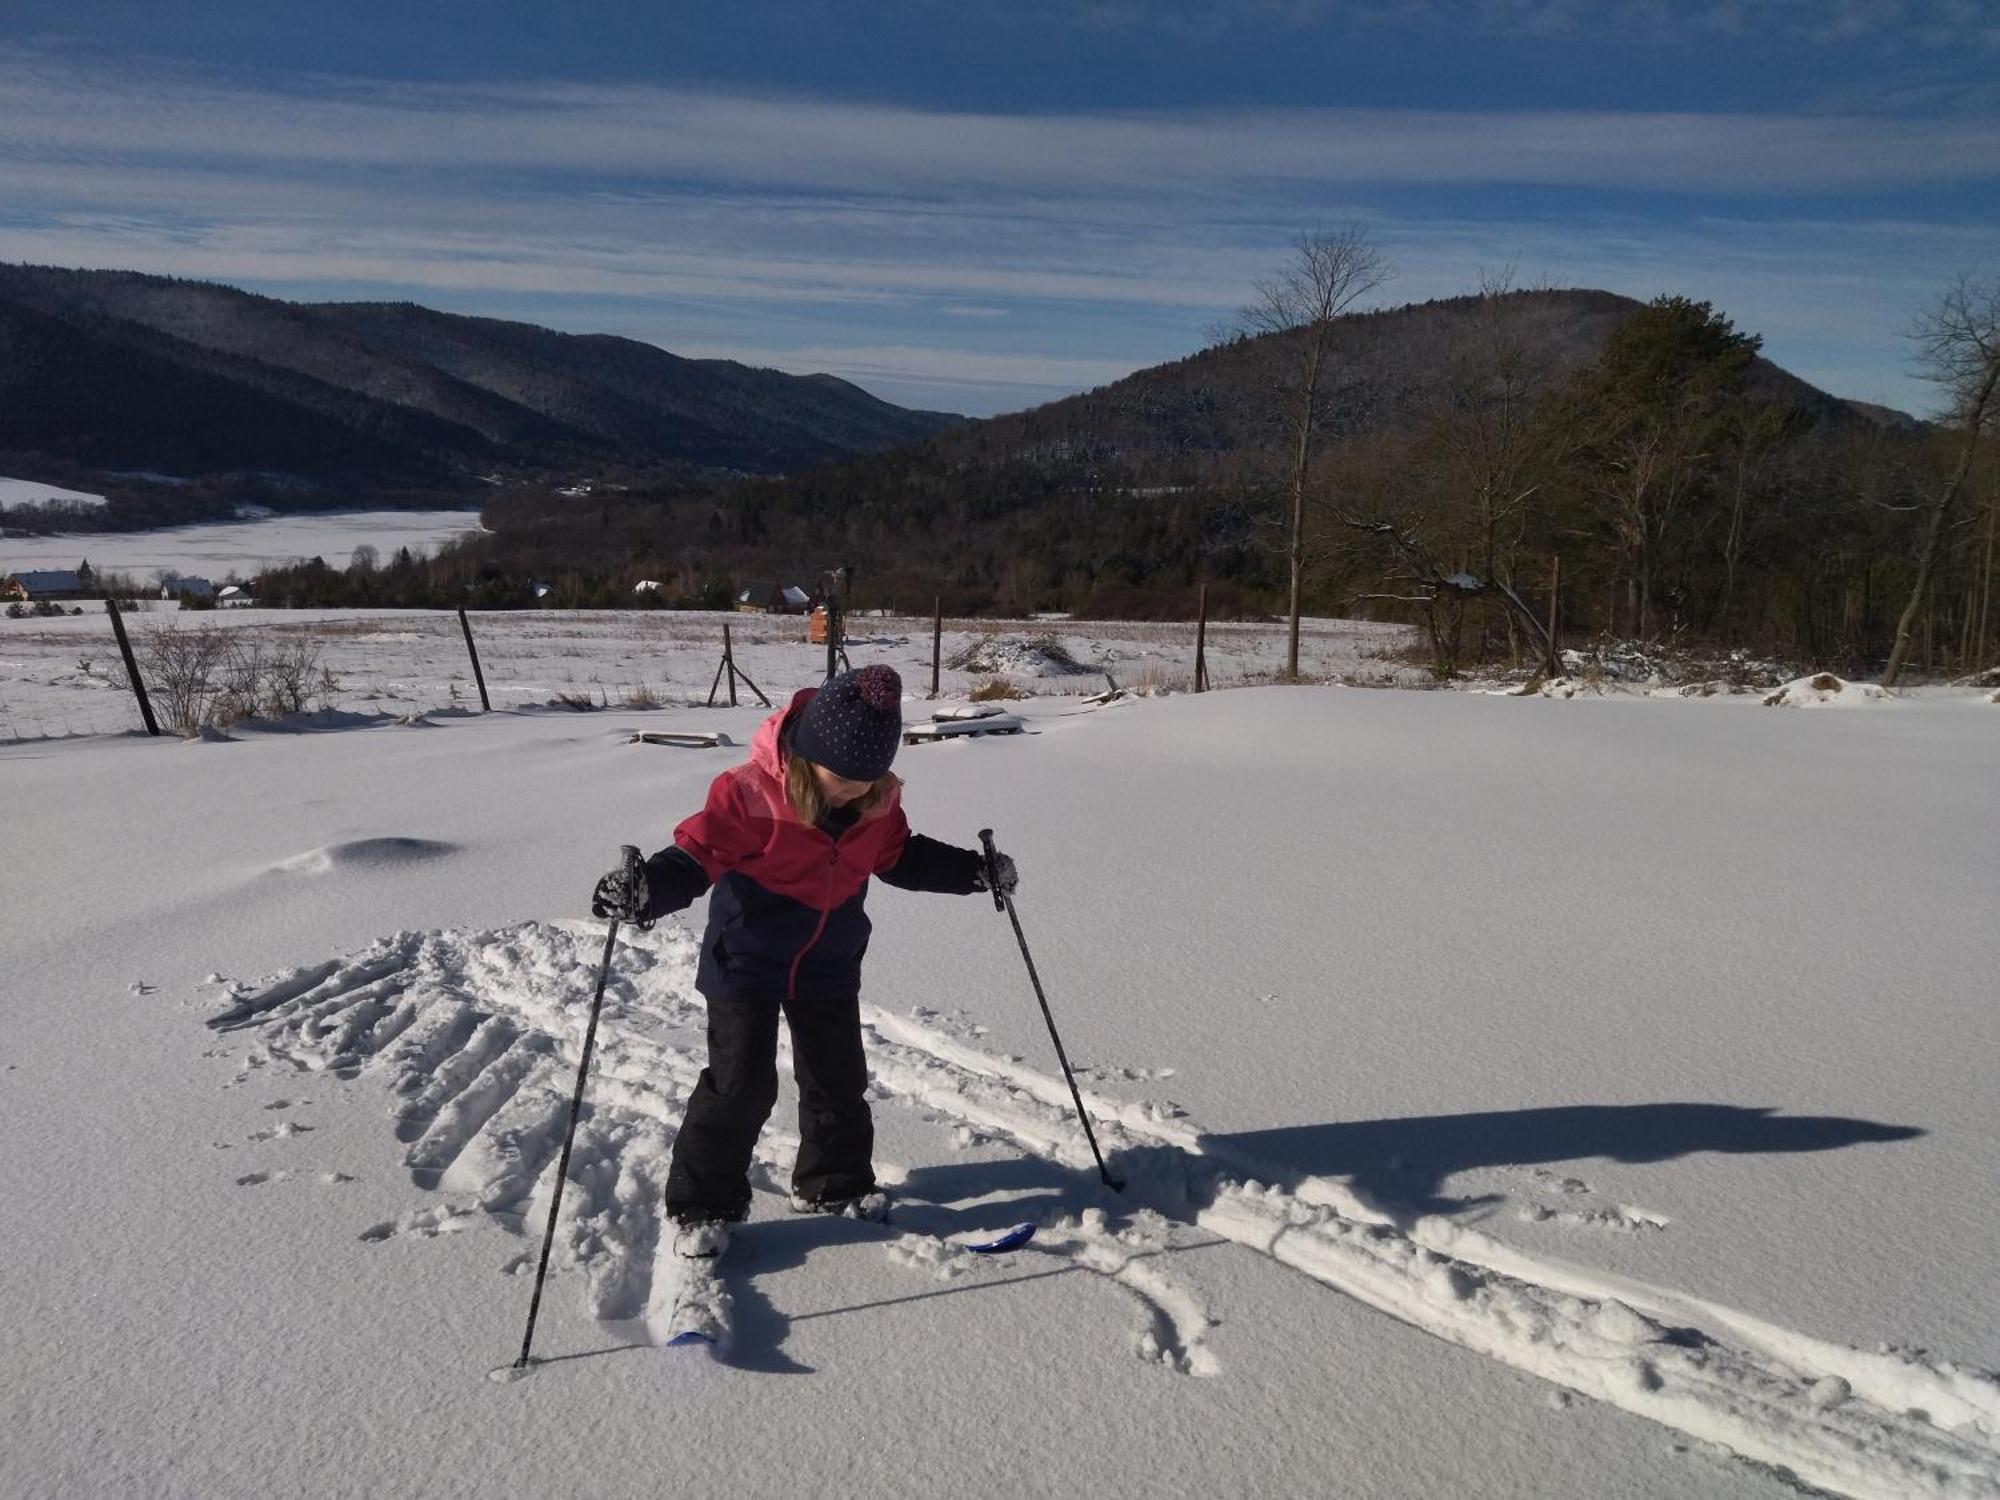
(120, 371)
(1395, 369)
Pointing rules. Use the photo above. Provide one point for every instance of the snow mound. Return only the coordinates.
(363, 854)
(1043, 656)
(1568, 687)
(1823, 689)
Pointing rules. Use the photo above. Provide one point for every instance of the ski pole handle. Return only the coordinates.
(632, 867)
(992, 868)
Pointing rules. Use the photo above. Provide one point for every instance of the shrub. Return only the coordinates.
(999, 687)
(204, 676)
(184, 674)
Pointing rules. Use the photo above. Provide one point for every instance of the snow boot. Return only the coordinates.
(872, 1206)
(700, 1239)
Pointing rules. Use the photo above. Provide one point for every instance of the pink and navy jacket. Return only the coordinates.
(785, 913)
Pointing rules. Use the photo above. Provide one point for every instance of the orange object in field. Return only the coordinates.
(816, 626)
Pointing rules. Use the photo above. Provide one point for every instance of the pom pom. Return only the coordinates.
(880, 688)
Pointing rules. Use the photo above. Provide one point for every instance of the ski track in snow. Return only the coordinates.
(476, 1035)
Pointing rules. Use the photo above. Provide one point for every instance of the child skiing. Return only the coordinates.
(785, 845)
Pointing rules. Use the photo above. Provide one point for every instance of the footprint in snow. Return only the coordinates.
(1561, 1183)
(426, 1224)
(282, 1132)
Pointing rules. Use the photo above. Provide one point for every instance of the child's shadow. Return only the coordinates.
(952, 1202)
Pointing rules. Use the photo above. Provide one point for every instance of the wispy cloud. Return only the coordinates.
(645, 133)
(1901, 23)
(971, 260)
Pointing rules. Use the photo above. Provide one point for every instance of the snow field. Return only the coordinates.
(216, 550)
(63, 677)
(477, 1096)
(1575, 1037)
(29, 494)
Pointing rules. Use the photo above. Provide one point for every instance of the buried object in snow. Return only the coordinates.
(978, 718)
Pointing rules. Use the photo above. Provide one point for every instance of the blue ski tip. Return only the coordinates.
(682, 1340)
(1013, 1239)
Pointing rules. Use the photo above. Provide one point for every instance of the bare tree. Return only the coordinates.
(1958, 343)
(1488, 431)
(1986, 588)
(1329, 272)
(1753, 435)
(1499, 447)
(1444, 594)
(185, 669)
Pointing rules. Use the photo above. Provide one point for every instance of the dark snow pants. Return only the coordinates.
(710, 1175)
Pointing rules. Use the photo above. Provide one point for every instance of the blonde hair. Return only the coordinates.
(802, 791)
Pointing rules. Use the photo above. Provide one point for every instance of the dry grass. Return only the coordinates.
(998, 688)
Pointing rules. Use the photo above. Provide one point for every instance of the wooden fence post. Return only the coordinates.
(1201, 643)
(477, 675)
(729, 661)
(1553, 666)
(937, 641)
(132, 666)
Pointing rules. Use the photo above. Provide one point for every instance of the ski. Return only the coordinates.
(691, 1306)
(1012, 1239)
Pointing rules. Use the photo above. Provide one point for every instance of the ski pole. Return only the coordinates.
(1004, 902)
(631, 857)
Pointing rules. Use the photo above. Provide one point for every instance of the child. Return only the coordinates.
(788, 841)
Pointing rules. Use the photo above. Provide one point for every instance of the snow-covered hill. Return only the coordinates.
(1516, 1097)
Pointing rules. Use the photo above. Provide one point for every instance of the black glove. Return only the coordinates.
(1002, 880)
(623, 896)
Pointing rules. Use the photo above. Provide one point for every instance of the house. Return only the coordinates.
(42, 585)
(234, 596)
(761, 598)
(187, 588)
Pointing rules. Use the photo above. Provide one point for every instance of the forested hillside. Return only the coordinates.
(1692, 491)
(235, 396)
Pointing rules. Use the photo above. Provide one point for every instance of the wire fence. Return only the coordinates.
(63, 678)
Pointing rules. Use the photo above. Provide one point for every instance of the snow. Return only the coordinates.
(1824, 690)
(32, 494)
(59, 677)
(1516, 1097)
(240, 547)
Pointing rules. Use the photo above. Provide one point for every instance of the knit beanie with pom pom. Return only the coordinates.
(854, 724)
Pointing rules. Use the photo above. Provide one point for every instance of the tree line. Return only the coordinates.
(1657, 482)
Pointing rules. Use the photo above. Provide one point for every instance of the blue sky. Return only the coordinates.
(981, 208)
